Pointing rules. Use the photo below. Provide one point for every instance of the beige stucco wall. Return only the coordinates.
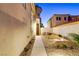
(67, 28)
(35, 26)
(15, 28)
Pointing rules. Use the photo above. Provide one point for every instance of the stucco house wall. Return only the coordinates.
(67, 28)
(15, 28)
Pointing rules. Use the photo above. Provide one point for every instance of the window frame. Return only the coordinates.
(65, 18)
(59, 18)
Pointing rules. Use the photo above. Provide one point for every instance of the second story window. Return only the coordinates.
(65, 18)
(58, 18)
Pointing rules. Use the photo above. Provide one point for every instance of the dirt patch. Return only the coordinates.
(64, 48)
(27, 50)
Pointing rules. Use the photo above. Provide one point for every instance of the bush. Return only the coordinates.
(63, 46)
(60, 35)
(71, 47)
(49, 33)
(74, 37)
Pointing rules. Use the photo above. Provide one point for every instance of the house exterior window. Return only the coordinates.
(69, 18)
(58, 18)
(65, 18)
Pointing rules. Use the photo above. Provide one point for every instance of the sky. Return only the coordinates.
(48, 9)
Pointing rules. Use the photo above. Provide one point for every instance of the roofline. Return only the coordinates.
(61, 15)
(38, 7)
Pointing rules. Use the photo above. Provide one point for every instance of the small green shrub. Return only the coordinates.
(74, 37)
(62, 46)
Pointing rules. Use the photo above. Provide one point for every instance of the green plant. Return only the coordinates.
(74, 37)
(64, 46)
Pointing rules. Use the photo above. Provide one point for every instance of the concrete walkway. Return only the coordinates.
(38, 48)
